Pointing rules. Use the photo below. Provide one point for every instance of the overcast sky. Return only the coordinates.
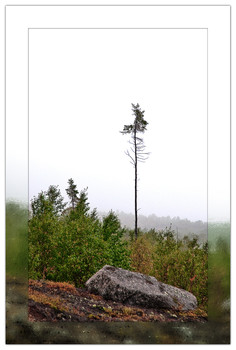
(81, 86)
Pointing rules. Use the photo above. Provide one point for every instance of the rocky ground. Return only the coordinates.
(24, 306)
(55, 301)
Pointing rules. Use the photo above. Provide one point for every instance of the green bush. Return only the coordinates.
(73, 247)
(16, 239)
(73, 244)
(181, 263)
(219, 271)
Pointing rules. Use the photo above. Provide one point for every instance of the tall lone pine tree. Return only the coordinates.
(137, 147)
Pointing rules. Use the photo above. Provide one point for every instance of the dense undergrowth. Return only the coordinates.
(182, 263)
(73, 245)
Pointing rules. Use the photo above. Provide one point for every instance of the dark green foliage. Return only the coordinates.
(113, 234)
(51, 200)
(41, 205)
(219, 270)
(73, 247)
(16, 239)
(55, 197)
(79, 251)
(72, 192)
(111, 225)
(139, 124)
(42, 230)
(81, 208)
(181, 263)
(72, 250)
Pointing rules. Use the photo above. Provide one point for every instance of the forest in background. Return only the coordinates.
(182, 227)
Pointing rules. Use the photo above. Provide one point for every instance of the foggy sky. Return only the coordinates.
(82, 84)
(80, 91)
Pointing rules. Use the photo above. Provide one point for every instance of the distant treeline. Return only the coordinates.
(182, 227)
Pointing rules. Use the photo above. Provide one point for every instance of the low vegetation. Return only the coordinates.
(70, 245)
(182, 263)
(55, 301)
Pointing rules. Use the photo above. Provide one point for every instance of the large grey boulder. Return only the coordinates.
(135, 288)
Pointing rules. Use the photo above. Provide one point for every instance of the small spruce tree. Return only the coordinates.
(54, 196)
(72, 193)
(50, 200)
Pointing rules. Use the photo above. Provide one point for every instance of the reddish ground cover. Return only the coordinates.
(57, 301)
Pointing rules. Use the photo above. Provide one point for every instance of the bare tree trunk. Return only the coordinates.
(135, 189)
(137, 147)
(136, 209)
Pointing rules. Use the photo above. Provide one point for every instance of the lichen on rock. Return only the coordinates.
(134, 288)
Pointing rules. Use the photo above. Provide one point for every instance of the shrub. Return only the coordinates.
(73, 247)
(181, 263)
(142, 259)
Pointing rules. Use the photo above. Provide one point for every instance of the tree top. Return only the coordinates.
(139, 124)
